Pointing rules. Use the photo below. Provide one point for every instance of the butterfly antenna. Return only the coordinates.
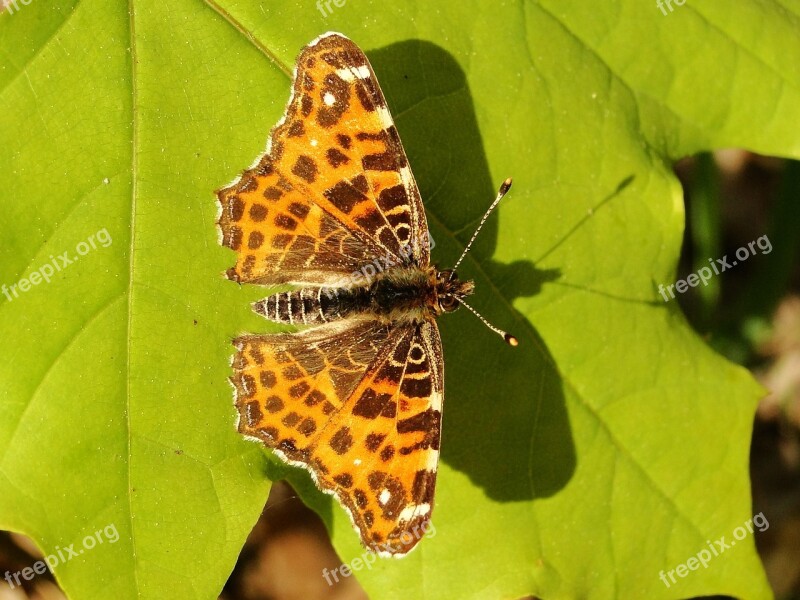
(502, 192)
(507, 337)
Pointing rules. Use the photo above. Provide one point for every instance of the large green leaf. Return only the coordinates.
(611, 445)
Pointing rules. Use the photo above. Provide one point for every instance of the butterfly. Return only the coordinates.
(332, 208)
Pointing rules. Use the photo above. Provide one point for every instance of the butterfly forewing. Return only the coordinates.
(282, 236)
(339, 138)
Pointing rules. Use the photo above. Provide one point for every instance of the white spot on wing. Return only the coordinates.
(432, 460)
(350, 73)
(385, 117)
(406, 177)
(412, 510)
(436, 401)
(329, 99)
(345, 74)
(384, 497)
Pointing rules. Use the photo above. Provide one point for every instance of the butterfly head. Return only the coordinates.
(450, 290)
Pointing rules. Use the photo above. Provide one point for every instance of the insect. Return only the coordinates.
(354, 397)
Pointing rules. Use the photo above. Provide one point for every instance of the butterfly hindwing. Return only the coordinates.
(401, 435)
(375, 449)
(282, 379)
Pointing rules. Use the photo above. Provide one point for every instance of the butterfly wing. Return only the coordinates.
(334, 190)
(281, 236)
(359, 405)
(356, 402)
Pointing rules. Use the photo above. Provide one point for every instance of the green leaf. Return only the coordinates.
(610, 446)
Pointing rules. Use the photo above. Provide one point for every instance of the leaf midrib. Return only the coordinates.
(134, 192)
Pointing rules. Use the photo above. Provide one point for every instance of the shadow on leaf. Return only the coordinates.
(505, 423)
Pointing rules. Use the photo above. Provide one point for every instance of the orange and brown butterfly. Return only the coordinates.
(355, 397)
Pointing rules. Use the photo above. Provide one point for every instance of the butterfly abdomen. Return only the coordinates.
(402, 295)
(312, 306)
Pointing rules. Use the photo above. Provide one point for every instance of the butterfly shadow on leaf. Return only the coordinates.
(504, 421)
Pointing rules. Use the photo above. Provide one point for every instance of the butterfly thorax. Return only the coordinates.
(409, 294)
(415, 294)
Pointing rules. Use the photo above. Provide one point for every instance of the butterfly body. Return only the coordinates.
(408, 294)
